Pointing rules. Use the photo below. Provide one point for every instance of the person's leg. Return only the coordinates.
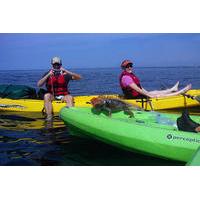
(174, 88)
(167, 91)
(182, 91)
(69, 100)
(48, 98)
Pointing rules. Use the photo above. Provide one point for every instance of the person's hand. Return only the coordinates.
(156, 96)
(50, 73)
(64, 70)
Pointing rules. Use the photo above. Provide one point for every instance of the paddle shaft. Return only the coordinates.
(197, 98)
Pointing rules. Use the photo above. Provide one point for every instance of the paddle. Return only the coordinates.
(197, 98)
(11, 106)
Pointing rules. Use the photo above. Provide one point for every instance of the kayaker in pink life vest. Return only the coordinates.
(56, 80)
(132, 89)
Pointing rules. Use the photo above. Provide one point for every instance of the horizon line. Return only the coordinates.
(174, 66)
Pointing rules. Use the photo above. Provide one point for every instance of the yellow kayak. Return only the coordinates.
(33, 105)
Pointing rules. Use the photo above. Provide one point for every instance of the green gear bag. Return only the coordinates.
(17, 92)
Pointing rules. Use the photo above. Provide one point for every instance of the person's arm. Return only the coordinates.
(42, 81)
(74, 75)
(139, 90)
(127, 81)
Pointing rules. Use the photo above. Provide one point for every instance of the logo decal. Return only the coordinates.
(185, 139)
(169, 136)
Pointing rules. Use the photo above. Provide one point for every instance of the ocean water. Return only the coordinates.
(28, 140)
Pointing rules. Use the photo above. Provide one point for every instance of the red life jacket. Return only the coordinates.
(57, 85)
(128, 91)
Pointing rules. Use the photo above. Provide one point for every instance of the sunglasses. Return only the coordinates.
(56, 64)
(129, 65)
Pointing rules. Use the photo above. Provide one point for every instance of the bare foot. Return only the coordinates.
(175, 87)
(185, 89)
(49, 118)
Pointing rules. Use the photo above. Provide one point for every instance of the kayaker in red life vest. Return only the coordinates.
(56, 81)
(132, 88)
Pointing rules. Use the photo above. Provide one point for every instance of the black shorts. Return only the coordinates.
(141, 96)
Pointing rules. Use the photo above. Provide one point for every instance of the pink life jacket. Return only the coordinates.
(127, 90)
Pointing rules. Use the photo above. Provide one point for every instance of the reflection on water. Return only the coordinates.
(82, 151)
(23, 121)
(38, 146)
(30, 141)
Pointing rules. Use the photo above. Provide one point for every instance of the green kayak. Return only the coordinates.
(144, 133)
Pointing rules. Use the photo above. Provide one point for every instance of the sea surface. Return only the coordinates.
(28, 140)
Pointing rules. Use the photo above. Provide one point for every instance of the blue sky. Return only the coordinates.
(34, 51)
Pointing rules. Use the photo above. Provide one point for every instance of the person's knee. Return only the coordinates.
(47, 97)
(68, 98)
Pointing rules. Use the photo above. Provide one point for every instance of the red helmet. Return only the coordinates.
(125, 63)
